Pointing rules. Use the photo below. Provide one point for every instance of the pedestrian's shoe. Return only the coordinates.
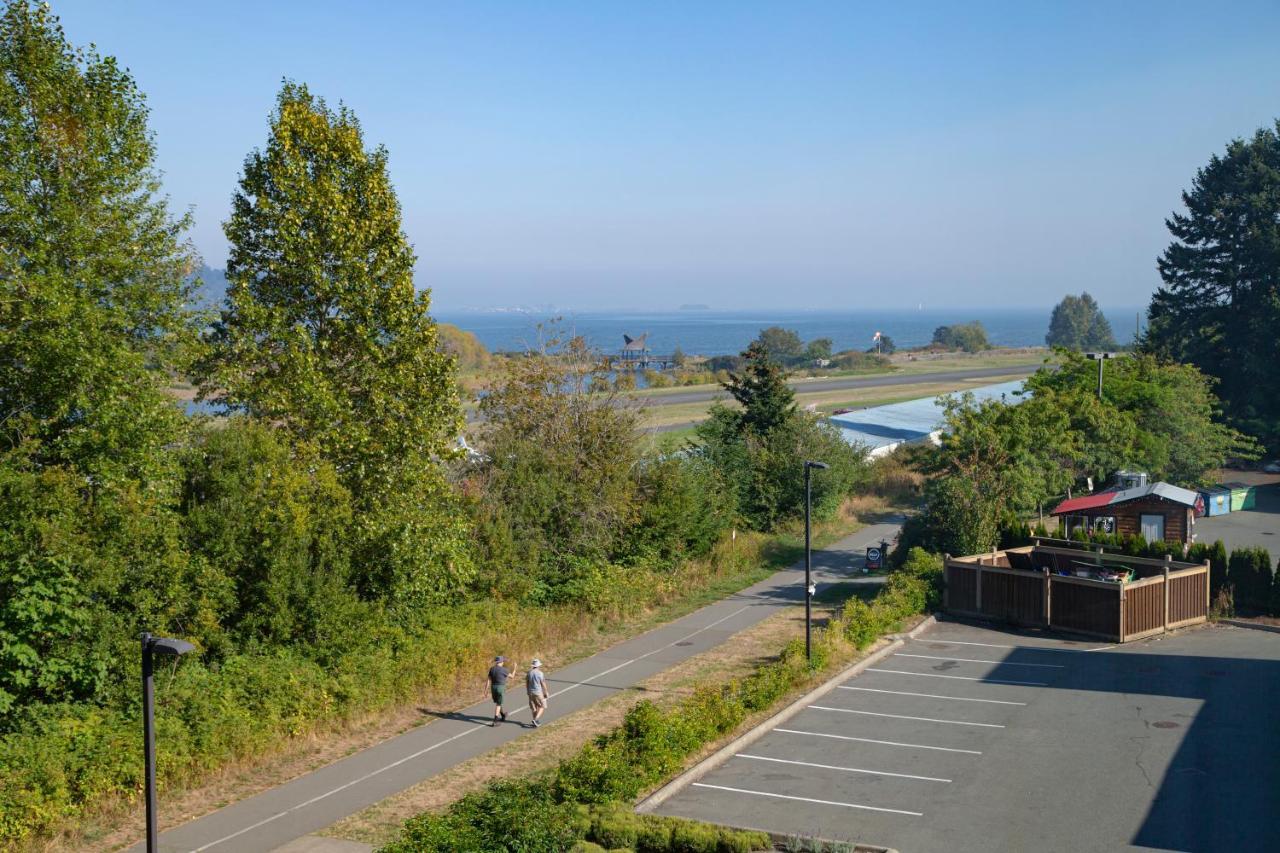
(504, 716)
(494, 723)
(536, 724)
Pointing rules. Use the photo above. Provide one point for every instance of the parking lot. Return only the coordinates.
(1258, 527)
(973, 738)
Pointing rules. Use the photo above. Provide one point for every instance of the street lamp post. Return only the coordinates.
(808, 558)
(151, 646)
(1100, 357)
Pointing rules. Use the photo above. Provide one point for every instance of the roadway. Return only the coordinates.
(709, 393)
(317, 799)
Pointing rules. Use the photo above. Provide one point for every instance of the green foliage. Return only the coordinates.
(818, 349)
(767, 470)
(1079, 324)
(323, 330)
(506, 817)
(1250, 576)
(1216, 554)
(684, 507)
(1156, 417)
(968, 337)
(561, 460)
(1218, 308)
(93, 272)
(853, 360)
(782, 345)
(885, 346)
(466, 350)
(761, 389)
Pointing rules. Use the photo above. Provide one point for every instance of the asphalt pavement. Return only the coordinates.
(971, 739)
(315, 800)
(706, 394)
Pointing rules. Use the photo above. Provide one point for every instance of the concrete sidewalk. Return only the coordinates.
(313, 801)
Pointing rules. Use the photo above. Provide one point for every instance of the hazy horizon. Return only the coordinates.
(745, 156)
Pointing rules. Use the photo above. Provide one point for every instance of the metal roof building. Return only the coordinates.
(882, 428)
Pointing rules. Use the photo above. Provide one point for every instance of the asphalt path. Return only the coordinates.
(706, 394)
(313, 801)
(978, 740)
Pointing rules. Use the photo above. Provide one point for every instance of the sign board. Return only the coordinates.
(874, 558)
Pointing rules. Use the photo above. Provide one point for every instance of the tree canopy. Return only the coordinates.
(323, 330)
(760, 387)
(969, 337)
(1078, 323)
(94, 287)
(1218, 307)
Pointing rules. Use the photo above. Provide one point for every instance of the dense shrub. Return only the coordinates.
(1249, 574)
(684, 507)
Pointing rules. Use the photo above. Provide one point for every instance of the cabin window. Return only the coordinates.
(1152, 527)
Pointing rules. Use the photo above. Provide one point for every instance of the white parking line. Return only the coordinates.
(881, 742)
(425, 750)
(960, 677)
(988, 645)
(807, 800)
(931, 695)
(904, 717)
(975, 660)
(845, 769)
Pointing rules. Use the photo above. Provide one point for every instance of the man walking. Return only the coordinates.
(498, 675)
(536, 683)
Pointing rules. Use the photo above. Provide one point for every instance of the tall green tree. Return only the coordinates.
(324, 334)
(94, 288)
(323, 330)
(968, 337)
(1219, 307)
(783, 345)
(760, 387)
(1078, 323)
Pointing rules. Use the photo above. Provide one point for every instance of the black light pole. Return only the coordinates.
(1100, 357)
(151, 646)
(808, 558)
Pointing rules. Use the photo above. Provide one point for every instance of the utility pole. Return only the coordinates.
(1099, 357)
(808, 561)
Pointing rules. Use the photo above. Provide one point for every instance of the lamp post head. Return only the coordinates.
(819, 465)
(167, 645)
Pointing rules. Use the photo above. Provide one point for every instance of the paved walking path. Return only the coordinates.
(313, 801)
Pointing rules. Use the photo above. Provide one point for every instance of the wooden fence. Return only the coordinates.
(1024, 586)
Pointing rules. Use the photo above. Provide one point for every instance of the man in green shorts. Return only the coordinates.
(498, 675)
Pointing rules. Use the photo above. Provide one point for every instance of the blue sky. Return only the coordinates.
(746, 155)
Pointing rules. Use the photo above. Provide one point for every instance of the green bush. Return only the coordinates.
(507, 817)
(1249, 573)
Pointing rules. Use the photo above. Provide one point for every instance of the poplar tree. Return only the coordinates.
(324, 334)
(323, 330)
(94, 288)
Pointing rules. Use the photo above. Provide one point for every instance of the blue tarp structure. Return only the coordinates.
(882, 428)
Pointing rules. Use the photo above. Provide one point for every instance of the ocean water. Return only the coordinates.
(724, 332)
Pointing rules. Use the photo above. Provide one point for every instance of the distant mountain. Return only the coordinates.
(698, 306)
(213, 286)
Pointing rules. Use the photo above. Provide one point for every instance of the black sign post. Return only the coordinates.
(875, 559)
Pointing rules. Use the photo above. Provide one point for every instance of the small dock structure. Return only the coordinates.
(635, 354)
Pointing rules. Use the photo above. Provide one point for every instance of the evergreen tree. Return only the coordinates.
(94, 272)
(1079, 324)
(761, 389)
(1218, 308)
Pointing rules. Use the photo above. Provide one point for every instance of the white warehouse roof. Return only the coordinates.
(882, 428)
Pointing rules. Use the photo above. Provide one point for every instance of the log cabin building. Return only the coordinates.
(1151, 510)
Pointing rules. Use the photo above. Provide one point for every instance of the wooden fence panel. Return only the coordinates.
(1143, 610)
(962, 589)
(1086, 607)
(1188, 598)
(1015, 598)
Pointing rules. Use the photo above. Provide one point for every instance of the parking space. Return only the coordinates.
(972, 738)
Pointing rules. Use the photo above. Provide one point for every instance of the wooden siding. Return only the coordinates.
(1144, 608)
(1128, 516)
(981, 586)
(1086, 607)
(1016, 598)
(1188, 597)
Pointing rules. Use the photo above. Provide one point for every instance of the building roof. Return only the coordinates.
(900, 423)
(1165, 491)
(630, 344)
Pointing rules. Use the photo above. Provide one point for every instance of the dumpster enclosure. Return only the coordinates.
(1091, 592)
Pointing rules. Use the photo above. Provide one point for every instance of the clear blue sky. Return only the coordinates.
(801, 155)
